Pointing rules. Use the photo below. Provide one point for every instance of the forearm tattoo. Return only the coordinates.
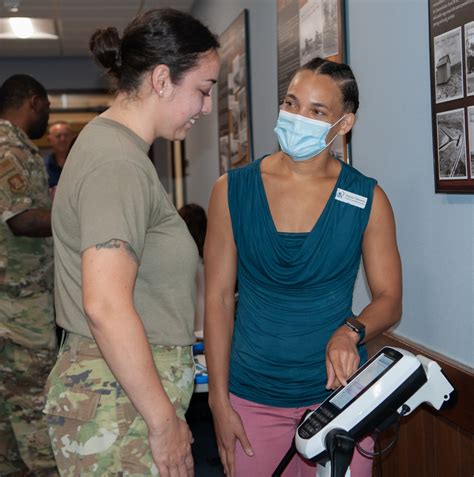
(115, 243)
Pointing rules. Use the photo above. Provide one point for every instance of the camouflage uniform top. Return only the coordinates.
(26, 312)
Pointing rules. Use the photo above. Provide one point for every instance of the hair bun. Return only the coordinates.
(105, 45)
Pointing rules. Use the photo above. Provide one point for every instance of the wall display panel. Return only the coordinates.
(235, 131)
(308, 29)
(451, 25)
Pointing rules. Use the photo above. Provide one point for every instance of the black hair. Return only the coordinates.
(17, 89)
(196, 220)
(161, 36)
(342, 75)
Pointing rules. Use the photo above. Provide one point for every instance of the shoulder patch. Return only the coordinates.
(17, 183)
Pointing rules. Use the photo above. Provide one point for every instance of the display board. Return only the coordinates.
(233, 85)
(452, 93)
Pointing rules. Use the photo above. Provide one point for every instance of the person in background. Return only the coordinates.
(27, 328)
(292, 227)
(126, 263)
(195, 218)
(60, 137)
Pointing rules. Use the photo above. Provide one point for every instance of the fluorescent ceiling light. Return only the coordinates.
(21, 28)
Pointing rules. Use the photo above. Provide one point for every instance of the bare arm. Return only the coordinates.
(383, 269)
(109, 272)
(384, 275)
(220, 263)
(31, 223)
(220, 259)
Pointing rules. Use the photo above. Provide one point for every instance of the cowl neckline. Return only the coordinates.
(318, 224)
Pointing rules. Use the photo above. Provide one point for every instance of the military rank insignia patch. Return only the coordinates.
(17, 183)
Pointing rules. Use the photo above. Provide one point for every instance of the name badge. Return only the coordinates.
(351, 198)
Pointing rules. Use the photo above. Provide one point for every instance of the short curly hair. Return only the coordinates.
(17, 89)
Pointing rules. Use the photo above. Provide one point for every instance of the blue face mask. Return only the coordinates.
(302, 138)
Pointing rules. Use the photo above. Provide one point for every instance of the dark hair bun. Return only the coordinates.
(160, 36)
(105, 45)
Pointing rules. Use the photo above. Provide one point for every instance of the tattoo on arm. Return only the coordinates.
(115, 243)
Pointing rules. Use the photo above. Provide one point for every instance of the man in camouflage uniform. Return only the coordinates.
(27, 329)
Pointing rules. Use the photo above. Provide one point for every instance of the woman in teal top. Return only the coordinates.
(299, 284)
(291, 228)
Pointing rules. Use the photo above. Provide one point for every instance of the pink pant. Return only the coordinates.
(270, 431)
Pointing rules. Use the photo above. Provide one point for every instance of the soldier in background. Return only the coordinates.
(27, 329)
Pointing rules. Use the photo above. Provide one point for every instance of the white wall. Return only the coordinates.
(202, 142)
(392, 141)
(389, 52)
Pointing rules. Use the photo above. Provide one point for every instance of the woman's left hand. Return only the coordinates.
(342, 358)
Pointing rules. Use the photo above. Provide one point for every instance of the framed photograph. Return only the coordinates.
(308, 29)
(469, 42)
(235, 131)
(451, 145)
(451, 24)
(448, 61)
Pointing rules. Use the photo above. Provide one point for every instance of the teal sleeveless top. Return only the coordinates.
(295, 289)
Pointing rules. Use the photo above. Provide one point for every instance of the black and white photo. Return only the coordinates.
(319, 32)
(448, 64)
(469, 49)
(242, 119)
(451, 145)
(470, 119)
(330, 28)
(224, 154)
(311, 31)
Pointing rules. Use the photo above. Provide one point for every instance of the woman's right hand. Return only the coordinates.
(229, 429)
(170, 444)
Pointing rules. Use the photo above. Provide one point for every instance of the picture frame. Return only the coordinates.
(451, 36)
(233, 85)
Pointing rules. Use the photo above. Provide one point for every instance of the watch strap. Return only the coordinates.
(355, 325)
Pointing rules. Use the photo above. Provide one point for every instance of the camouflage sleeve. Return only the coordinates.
(14, 184)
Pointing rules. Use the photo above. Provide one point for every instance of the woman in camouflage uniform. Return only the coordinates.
(125, 262)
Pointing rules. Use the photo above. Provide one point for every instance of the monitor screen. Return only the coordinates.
(361, 381)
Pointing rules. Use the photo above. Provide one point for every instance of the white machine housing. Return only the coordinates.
(393, 380)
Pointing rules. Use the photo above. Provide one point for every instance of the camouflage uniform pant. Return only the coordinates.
(24, 440)
(95, 430)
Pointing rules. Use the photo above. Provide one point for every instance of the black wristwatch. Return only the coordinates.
(355, 325)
